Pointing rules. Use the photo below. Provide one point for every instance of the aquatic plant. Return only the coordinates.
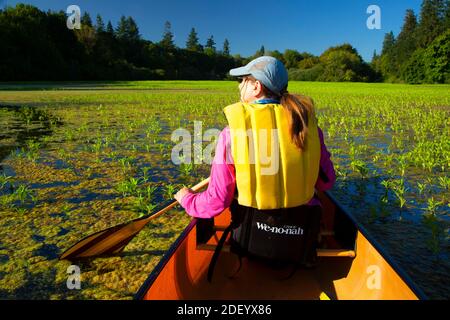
(444, 182)
(143, 206)
(386, 184)
(128, 187)
(4, 179)
(361, 167)
(21, 210)
(150, 191)
(169, 191)
(433, 205)
(399, 189)
(23, 194)
(126, 162)
(145, 171)
(437, 232)
(421, 187)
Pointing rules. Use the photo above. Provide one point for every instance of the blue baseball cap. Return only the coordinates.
(270, 71)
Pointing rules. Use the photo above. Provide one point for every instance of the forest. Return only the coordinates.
(38, 46)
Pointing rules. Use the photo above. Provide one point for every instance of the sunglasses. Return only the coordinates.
(241, 79)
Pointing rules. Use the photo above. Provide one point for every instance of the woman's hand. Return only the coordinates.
(180, 194)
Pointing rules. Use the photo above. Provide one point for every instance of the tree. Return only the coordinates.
(192, 43)
(437, 60)
(431, 21)
(430, 65)
(292, 58)
(309, 62)
(388, 63)
(343, 63)
(167, 40)
(109, 28)
(409, 26)
(276, 54)
(100, 26)
(261, 52)
(376, 62)
(210, 43)
(388, 43)
(226, 47)
(375, 56)
(127, 29)
(406, 41)
(413, 71)
(37, 45)
(121, 30)
(132, 30)
(86, 35)
(86, 20)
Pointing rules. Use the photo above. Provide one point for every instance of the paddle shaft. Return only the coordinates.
(195, 188)
(114, 239)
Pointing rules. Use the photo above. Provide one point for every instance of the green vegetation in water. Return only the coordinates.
(110, 163)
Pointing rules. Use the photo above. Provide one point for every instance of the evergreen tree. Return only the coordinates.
(388, 63)
(226, 47)
(388, 43)
(409, 26)
(100, 26)
(192, 43)
(431, 21)
(260, 52)
(210, 44)
(132, 31)
(109, 28)
(406, 40)
(375, 56)
(86, 20)
(167, 40)
(375, 63)
(121, 31)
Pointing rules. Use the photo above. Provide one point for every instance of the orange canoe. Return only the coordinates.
(351, 266)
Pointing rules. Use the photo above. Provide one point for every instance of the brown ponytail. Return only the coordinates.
(300, 109)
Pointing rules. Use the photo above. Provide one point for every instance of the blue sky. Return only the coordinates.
(304, 25)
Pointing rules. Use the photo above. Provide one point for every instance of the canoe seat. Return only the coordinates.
(323, 233)
(327, 253)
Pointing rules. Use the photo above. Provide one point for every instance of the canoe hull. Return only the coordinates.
(181, 274)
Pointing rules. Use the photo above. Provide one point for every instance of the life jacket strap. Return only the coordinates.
(217, 251)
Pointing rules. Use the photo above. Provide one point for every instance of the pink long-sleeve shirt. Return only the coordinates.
(220, 192)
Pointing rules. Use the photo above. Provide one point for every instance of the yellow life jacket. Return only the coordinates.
(271, 171)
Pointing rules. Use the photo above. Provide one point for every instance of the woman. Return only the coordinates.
(275, 214)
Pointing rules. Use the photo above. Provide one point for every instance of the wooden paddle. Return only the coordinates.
(114, 239)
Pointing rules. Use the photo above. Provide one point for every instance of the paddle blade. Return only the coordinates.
(109, 241)
(113, 240)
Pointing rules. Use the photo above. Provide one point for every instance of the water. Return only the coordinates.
(76, 190)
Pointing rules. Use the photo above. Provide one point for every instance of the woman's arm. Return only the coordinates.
(327, 176)
(220, 192)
